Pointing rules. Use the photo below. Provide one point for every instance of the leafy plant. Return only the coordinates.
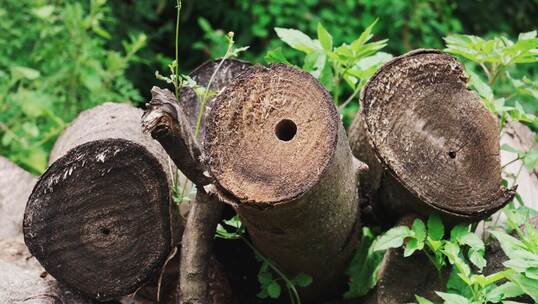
(54, 63)
(351, 64)
(270, 286)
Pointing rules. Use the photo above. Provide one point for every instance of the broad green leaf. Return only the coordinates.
(325, 38)
(276, 55)
(529, 286)
(43, 12)
(504, 291)
(393, 238)
(483, 89)
(527, 35)
(412, 246)
(452, 251)
(296, 39)
(436, 230)
(419, 229)
(451, 298)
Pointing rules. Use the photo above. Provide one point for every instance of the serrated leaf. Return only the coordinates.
(325, 38)
(412, 246)
(419, 229)
(265, 278)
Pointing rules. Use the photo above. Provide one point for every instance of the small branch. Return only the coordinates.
(167, 123)
(196, 248)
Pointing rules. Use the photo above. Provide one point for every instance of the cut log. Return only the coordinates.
(15, 187)
(430, 143)
(275, 145)
(227, 72)
(25, 281)
(99, 219)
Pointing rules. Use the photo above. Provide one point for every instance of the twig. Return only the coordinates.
(167, 123)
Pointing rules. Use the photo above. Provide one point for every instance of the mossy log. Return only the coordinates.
(15, 188)
(277, 149)
(100, 219)
(430, 143)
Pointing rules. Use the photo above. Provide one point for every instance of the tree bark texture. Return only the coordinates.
(100, 218)
(25, 281)
(15, 187)
(276, 146)
(196, 249)
(430, 143)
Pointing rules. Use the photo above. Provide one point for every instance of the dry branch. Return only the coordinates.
(99, 219)
(276, 146)
(430, 143)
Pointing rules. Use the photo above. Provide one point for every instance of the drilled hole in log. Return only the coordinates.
(285, 130)
(105, 231)
(452, 154)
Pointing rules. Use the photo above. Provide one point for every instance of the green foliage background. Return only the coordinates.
(58, 58)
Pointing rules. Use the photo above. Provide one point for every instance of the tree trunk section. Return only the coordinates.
(100, 219)
(430, 143)
(15, 188)
(275, 145)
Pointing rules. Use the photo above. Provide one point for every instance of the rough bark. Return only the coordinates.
(15, 187)
(275, 145)
(196, 249)
(521, 138)
(430, 143)
(99, 219)
(25, 281)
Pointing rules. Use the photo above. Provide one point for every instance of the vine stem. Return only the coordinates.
(177, 84)
(294, 295)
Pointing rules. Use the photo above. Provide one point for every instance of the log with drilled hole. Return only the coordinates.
(430, 143)
(277, 149)
(99, 219)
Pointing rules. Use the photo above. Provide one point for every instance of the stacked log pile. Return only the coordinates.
(269, 143)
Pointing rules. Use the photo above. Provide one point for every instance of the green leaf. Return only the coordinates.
(303, 280)
(452, 252)
(421, 300)
(412, 246)
(436, 230)
(364, 37)
(276, 55)
(529, 286)
(504, 291)
(451, 298)
(265, 278)
(19, 72)
(393, 238)
(325, 38)
(43, 12)
(364, 267)
(273, 290)
(296, 39)
(419, 229)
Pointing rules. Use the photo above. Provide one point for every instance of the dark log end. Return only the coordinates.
(98, 219)
(271, 134)
(227, 72)
(434, 135)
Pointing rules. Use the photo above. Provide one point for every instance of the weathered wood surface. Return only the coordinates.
(25, 281)
(99, 219)
(15, 188)
(430, 143)
(275, 145)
